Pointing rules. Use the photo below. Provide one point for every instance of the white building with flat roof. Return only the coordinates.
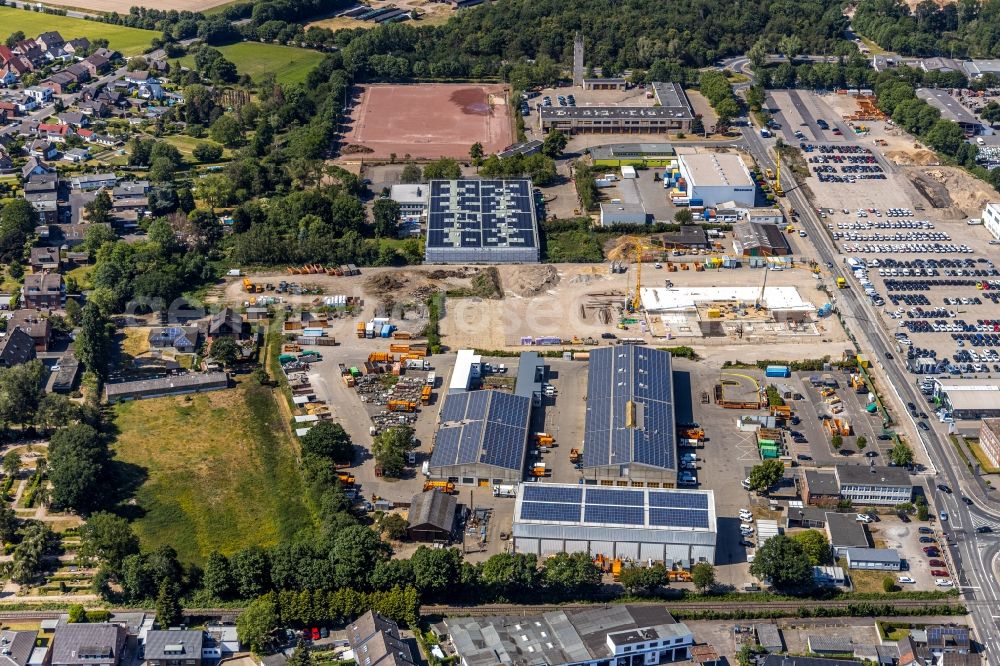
(991, 219)
(468, 365)
(715, 178)
(412, 199)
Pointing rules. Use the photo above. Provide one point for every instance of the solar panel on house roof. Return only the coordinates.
(629, 383)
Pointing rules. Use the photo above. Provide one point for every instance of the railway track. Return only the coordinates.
(708, 606)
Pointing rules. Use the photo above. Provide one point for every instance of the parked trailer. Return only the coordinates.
(504, 491)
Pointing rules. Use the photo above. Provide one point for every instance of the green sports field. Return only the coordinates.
(128, 41)
(289, 64)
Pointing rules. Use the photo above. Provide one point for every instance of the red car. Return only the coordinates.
(927, 548)
(939, 572)
(315, 633)
(937, 563)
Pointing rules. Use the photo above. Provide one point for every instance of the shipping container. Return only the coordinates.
(777, 371)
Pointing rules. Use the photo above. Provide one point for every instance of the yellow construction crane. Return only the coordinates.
(627, 249)
(777, 181)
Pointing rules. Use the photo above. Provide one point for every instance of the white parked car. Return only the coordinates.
(944, 582)
(863, 517)
(746, 529)
(746, 519)
(905, 579)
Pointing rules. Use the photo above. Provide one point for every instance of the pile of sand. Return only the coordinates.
(968, 195)
(527, 281)
(384, 283)
(912, 157)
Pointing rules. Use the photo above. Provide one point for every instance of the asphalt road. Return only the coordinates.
(973, 555)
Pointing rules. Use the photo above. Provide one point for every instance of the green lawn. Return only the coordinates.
(127, 40)
(186, 145)
(220, 471)
(288, 63)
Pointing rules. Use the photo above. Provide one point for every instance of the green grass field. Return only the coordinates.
(288, 63)
(127, 40)
(221, 471)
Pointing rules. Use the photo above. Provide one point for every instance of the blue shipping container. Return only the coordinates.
(697, 202)
(777, 371)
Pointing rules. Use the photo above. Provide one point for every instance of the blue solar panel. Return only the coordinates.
(468, 450)
(614, 515)
(454, 407)
(445, 447)
(548, 511)
(614, 497)
(483, 213)
(616, 377)
(678, 518)
(543, 493)
(478, 401)
(669, 499)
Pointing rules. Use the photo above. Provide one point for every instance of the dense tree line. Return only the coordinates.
(963, 29)
(852, 71)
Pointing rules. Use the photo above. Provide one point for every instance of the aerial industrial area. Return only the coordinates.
(328, 342)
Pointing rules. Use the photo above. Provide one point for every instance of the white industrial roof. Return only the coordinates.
(676, 299)
(462, 374)
(715, 169)
(409, 194)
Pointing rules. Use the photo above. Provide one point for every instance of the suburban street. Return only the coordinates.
(974, 555)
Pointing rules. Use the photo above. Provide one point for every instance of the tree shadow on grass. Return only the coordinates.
(125, 481)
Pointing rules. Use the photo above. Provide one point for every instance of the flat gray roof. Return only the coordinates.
(950, 108)
(865, 475)
(845, 531)
(618, 112)
(888, 555)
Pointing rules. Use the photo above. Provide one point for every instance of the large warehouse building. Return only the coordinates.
(482, 439)
(481, 221)
(629, 433)
(676, 527)
(717, 178)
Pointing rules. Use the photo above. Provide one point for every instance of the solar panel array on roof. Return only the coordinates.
(629, 383)
(488, 427)
(624, 507)
(497, 216)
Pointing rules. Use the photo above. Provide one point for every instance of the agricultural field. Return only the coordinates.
(129, 41)
(165, 5)
(216, 471)
(289, 64)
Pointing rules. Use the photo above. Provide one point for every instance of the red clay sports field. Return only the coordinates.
(428, 120)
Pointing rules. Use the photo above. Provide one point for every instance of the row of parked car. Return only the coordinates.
(909, 248)
(910, 236)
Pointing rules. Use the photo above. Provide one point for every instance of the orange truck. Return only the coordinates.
(402, 406)
(443, 486)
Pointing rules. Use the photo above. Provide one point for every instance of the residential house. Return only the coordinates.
(874, 486)
(93, 181)
(46, 205)
(227, 322)
(60, 82)
(97, 644)
(73, 119)
(791, 660)
(181, 338)
(8, 75)
(137, 78)
(34, 324)
(55, 131)
(41, 182)
(375, 641)
(43, 149)
(94, 108)
(41, 94)
(432, 516)
(10, 108)
(25, 104)
(76, 155)
(77, 45)
(6, 163)
(43, 290)
(70, 235)
(96, 63)
(173, 648)
(16, 647)
(31, 51)
(45, 258)
(16, 347)
(224, 637)
(33, 167)
(49, 41)
(951, 639)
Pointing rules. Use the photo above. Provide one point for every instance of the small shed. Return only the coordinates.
(432, 516)
(769, 637)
